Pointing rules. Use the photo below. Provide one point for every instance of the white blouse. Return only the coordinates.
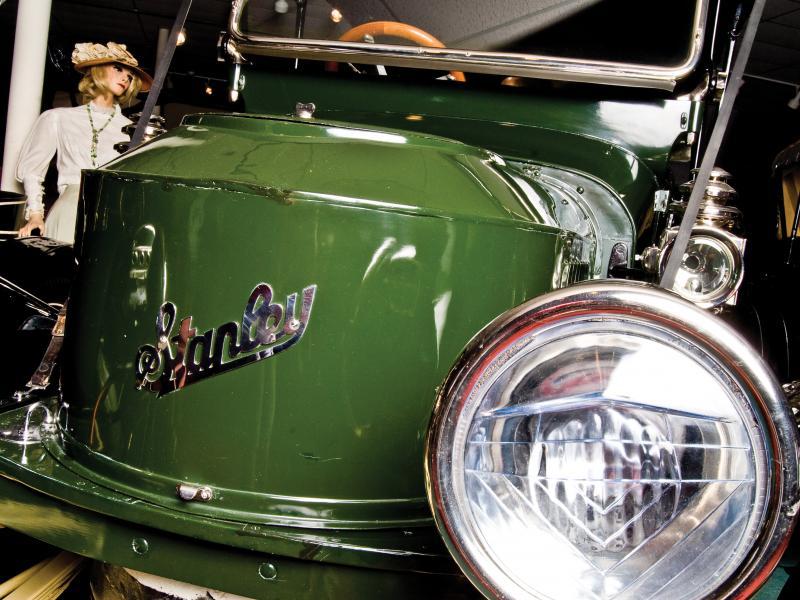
(67, 133)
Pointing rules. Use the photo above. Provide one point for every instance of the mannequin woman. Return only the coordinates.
(81, 137)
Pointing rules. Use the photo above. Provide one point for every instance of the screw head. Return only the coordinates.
(267, 571)
(140, 546)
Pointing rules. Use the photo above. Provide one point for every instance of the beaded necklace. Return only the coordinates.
(96, 132)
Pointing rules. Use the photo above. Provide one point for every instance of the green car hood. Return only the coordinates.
(390, 249)
(264, 310)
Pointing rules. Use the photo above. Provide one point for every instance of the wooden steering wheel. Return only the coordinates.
(398, 30)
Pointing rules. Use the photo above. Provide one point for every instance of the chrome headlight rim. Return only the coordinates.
(728, 246)
(667, 310)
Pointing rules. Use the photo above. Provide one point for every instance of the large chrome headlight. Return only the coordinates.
(611, 440)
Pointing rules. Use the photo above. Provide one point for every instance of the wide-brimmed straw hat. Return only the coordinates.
(88, 55)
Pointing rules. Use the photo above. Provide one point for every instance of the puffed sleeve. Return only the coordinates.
(35, 157)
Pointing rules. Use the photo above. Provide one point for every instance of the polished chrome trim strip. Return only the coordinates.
(445, 59)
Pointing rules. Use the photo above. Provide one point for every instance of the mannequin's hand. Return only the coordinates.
(36, 222)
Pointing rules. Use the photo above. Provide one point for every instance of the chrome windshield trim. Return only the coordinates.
(446, 59)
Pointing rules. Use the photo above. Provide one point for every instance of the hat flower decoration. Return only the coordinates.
(88, 54)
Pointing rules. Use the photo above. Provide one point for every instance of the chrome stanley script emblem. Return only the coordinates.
(186, 357)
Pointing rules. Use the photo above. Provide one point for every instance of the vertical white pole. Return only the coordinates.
(27, 79)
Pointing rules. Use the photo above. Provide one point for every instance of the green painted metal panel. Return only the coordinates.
(410, 255)
(45, 468)
(622, 138)
(151, 546)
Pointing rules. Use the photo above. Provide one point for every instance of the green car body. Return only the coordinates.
(388, 229)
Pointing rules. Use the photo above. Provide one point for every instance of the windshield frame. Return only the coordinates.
(448, 59)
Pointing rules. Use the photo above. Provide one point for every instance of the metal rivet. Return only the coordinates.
(140, 545)
(267, 571)
(579, 189)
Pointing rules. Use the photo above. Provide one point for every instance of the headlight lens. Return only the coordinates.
(594, 449)
(711, 270)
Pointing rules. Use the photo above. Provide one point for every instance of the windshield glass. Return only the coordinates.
(656, 32)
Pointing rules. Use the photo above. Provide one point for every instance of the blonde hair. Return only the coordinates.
(94, 84)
